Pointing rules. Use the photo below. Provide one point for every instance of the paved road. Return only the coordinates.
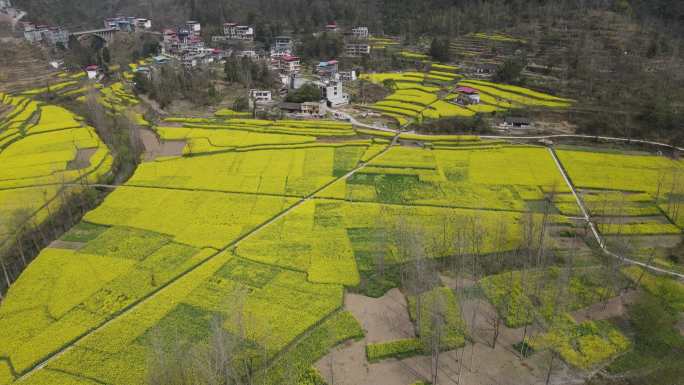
(355, 122)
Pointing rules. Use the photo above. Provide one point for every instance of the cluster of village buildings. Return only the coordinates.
(185, 45)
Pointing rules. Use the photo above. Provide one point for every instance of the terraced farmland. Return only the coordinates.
(420, 95)
(41, 148)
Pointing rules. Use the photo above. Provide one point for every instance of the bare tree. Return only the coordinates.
(433, 338)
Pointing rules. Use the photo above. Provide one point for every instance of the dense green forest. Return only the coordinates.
(388, 16)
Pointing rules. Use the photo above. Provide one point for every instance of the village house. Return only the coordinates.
(186, 45)
(334, 94)
(516, 122)
(44, 34)
(346, 76)
(128, 23)
(314, 109)
(92, 71)
(235, 31)
(288, 64)
(360, 33)
(260, 96)
(357, 49)
(331, 27)
(327, 69)
(282, 46)
(291, 108)
(467, 95)
(485, 69)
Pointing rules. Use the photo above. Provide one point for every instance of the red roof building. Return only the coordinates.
(467, 90)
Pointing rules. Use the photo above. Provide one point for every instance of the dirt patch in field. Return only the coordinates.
(481, 364)
(477, 363)
(82, 159)
(154, 147)
(66, 245)
(680, 324)
(611, 308)
(384, 319)
(347, 365)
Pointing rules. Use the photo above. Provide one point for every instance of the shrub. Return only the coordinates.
(394, 349)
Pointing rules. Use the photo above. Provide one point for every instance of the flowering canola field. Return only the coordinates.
(276, 212)
(39, 148)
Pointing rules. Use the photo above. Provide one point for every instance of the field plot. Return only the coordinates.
(455, 175)
(41, 147)
(635, 199)
(644, 190)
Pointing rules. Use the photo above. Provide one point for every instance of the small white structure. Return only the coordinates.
(234, 31)
(92, 71)
(335, 95)
(514, 122)
(128, 23)
(282, 46)
(360, 33)
(193, 26)
(260, 96)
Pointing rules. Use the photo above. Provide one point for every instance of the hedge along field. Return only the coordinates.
(39, 148)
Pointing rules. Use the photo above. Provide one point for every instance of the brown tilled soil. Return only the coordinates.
(155, 148)
(384, 319)
(82, 160)
(478, 363)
